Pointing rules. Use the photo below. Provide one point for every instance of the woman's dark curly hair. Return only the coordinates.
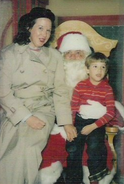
(28, 20)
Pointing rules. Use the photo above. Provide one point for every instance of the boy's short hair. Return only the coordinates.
(97, 57)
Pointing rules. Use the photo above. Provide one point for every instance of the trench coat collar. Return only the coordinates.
(21, 48)
(42, 58)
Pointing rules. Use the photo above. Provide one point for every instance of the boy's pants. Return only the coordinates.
(96, 150)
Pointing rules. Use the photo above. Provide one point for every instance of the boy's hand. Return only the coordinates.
(71, 132)
(88, 129)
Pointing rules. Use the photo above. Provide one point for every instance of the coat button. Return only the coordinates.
(21, 71)
(45, 71)
(12, 109)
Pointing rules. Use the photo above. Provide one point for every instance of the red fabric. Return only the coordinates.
(55, 151)
(19, 9)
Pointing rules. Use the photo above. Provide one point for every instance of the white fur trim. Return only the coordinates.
(74, 42)
(59, 130)
(120, 108)
(49, 175)
(106, 180)
(74, 72)
(86, 175)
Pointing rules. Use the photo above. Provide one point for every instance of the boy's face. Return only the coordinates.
(97, 72)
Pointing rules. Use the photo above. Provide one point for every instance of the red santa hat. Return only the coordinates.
(73, 41)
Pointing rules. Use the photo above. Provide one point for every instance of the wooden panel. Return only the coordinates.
(96, 41)
(110, 20)
(19, 9)
(116, 58)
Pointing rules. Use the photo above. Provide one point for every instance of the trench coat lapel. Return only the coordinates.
(42, 58)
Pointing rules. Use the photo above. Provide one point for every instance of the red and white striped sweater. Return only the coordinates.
(102, 93)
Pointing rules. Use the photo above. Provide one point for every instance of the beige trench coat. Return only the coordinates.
(29, 83)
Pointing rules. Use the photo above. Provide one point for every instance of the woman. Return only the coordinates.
(32, 92)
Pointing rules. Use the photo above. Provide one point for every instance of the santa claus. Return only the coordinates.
(75, 48)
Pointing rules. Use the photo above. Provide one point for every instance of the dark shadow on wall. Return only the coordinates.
(116, 57)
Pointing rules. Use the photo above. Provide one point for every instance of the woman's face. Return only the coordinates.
(40, 32)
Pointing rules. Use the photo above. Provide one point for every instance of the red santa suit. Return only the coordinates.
(54, 155)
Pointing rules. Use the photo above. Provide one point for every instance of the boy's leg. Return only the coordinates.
(97, 153)
(74, 173)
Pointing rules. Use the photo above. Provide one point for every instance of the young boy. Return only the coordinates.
(90, 131)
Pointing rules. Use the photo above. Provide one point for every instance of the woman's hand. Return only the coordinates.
(35, 123)
(88, 129)
(71, 132)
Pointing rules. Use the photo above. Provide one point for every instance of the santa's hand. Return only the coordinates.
(94, 110)
(71, 132)
(35, 123)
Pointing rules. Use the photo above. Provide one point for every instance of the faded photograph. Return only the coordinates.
(61, 92)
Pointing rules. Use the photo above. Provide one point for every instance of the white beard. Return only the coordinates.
(75, 72)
